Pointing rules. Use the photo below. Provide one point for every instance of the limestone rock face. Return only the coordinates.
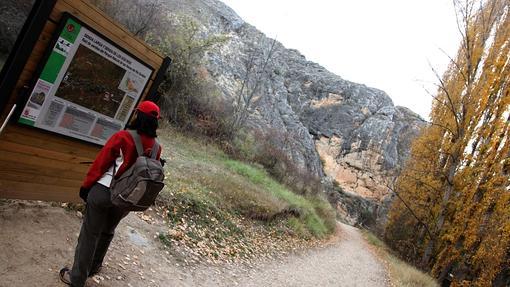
(315, 107)
(363, 162)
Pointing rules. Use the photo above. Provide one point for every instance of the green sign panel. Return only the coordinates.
(87, 88)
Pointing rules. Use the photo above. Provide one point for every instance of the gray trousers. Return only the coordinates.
(97, 230)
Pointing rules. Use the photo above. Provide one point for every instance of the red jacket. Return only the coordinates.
(119, 148)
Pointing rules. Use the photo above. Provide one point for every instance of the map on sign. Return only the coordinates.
(87, 88)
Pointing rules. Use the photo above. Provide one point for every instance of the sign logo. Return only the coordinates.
(62, 47)
(70, 28)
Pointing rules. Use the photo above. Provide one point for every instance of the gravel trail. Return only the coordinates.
(346, 262)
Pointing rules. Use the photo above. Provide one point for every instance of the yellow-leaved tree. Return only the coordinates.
(454, 214)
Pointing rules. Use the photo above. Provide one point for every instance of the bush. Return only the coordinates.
(138, 16)
(190, 99)
(268, 151)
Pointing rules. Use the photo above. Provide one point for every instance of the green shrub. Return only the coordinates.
(190, 99)
(243, 146)
(325, 211)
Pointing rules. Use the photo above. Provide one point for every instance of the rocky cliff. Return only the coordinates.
(337, 129)
(334, 128)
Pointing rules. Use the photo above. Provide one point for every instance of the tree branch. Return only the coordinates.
(431, 236)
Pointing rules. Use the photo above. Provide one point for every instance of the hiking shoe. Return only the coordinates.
(65, 276)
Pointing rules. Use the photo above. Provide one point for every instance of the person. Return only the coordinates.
(101, 216)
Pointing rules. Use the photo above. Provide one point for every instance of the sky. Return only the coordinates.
(386, 44)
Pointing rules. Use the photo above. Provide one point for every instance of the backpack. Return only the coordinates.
(137, 188)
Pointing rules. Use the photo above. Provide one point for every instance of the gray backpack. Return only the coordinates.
(137, 188)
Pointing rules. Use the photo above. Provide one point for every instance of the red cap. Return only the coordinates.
(149, 108)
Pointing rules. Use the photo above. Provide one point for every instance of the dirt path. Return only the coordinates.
(345, 262)
(36, 239)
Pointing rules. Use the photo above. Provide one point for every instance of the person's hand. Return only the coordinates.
(84, 193)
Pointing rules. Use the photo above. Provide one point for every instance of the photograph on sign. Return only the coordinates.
(87, 87)
(97, 91)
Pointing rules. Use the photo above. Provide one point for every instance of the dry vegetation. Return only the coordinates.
(401, 273)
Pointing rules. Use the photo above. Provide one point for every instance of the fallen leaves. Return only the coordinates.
(221, 238)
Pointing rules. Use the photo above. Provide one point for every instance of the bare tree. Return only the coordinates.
(139, 16)
(257, 64)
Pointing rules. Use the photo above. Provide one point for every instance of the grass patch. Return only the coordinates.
(373, 240)
(164, 239)
(401, 273)
(315, 216)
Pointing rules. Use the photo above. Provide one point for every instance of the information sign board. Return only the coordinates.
(88, 86)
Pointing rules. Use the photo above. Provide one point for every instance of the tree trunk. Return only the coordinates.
(444, 205)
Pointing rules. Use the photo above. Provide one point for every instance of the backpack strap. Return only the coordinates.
(138, 141)
(139, 147)
(155, 149)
